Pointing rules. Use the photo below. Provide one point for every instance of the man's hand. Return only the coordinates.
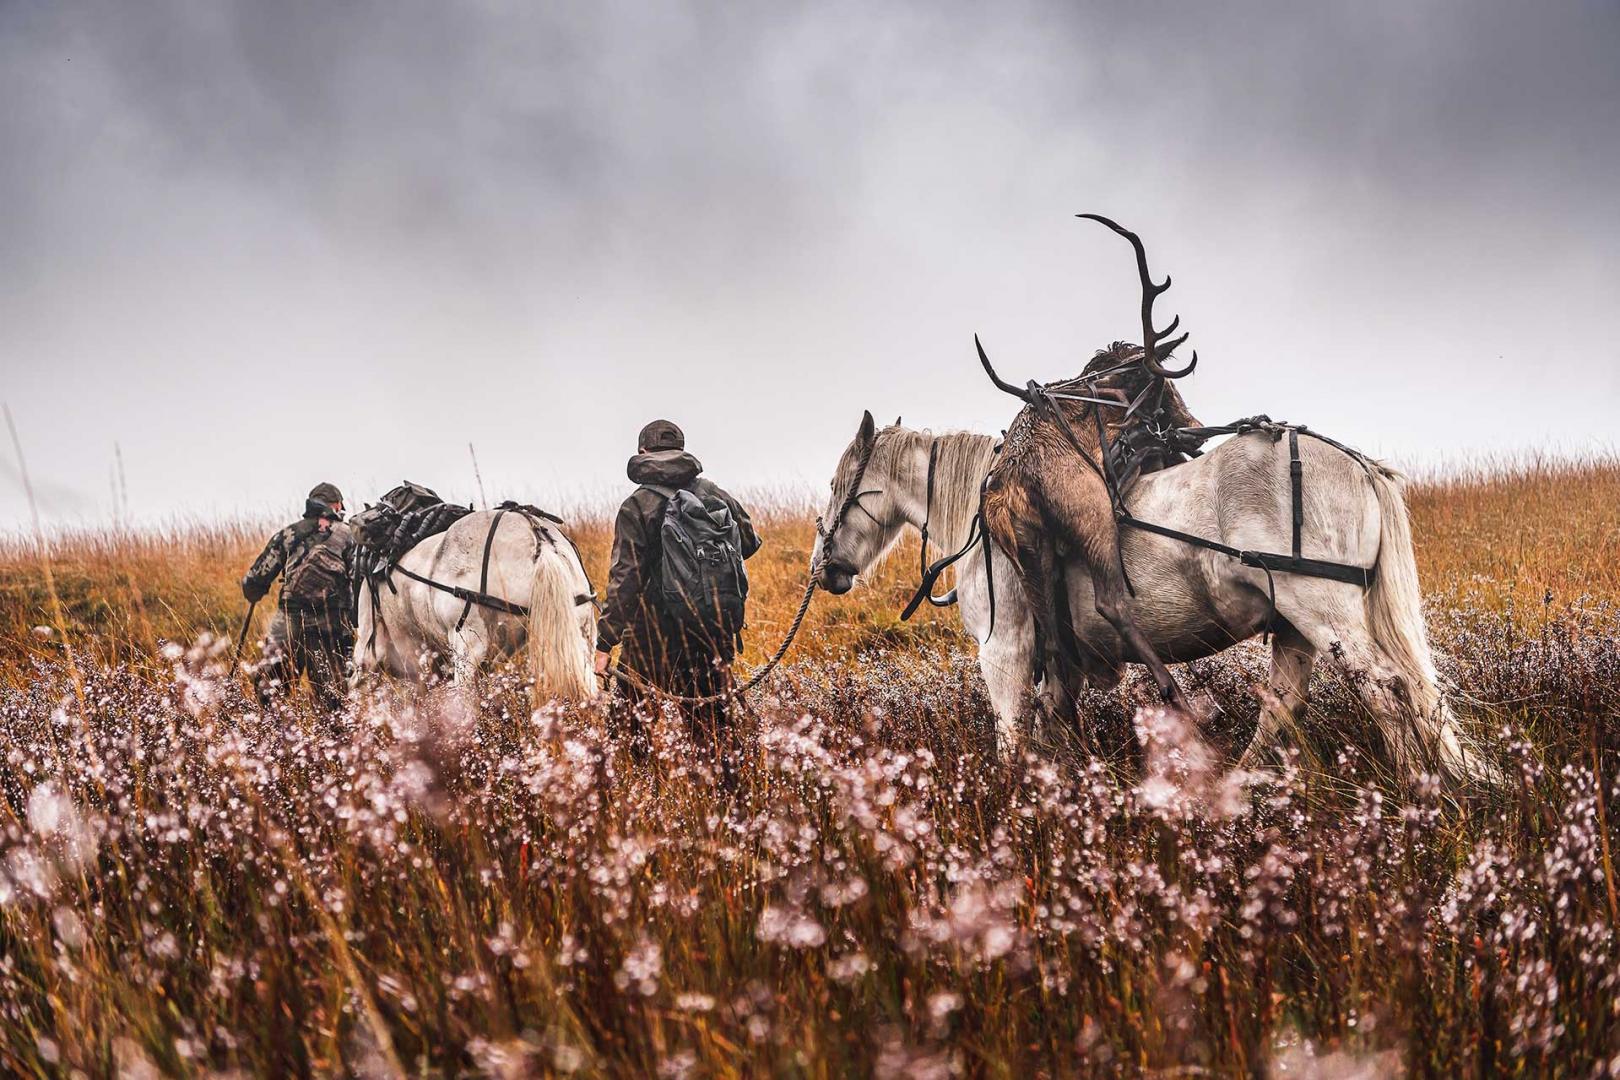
(602, 659)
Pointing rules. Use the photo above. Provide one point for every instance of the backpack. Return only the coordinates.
(701, 579)
(403, 518)
(409, 497)
(316, 574)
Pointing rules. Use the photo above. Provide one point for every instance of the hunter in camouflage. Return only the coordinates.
(312, 632)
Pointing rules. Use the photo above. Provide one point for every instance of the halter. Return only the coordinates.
(851, 501)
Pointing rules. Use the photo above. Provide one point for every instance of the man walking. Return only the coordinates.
(312, 632)
(677, 588)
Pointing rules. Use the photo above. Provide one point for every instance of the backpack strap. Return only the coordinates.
(660, 489)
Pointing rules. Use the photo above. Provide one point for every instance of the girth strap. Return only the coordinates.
(1265, 560)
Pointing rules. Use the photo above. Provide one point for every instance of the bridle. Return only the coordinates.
(851, 501)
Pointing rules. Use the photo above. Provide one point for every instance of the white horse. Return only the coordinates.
(407, 628)
(1192, 602)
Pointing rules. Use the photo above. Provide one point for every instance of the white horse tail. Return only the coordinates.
(560, 645)
(1395, 616)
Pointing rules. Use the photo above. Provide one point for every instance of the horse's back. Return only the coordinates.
(1254, 489)
(1194, 601)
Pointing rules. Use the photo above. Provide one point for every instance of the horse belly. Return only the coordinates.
(1185, 610)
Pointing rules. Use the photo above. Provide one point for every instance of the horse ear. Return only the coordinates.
(896, 421)
(868, 430)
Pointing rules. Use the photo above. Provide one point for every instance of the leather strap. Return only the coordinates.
(1296, 481)
(928, 504)
(483, 572)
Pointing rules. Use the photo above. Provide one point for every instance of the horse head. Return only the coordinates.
(851, 535)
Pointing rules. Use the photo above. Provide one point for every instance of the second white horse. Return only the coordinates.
(409, 629)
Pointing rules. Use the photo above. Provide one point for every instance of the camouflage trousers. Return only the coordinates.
(316, 642)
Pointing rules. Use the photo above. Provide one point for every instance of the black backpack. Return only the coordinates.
(701, 579)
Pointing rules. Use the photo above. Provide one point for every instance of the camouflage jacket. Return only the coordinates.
(314, 557)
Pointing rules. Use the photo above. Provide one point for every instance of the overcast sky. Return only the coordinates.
(258, 245)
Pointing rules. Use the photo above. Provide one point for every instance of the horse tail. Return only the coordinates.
(1395, 617)
(560, 644)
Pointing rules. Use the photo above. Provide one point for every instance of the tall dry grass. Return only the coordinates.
(432, 886)
(1519, 529)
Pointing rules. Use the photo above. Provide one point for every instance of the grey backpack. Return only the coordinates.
(701, 579)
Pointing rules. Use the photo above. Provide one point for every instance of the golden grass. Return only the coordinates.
(1521, 529)
(1517, 532)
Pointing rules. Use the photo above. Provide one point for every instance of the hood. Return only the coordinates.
(666, 468)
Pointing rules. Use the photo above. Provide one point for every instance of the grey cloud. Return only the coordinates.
(535, 225)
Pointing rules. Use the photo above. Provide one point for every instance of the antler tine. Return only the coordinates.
(1016, 391)
(1151, 349)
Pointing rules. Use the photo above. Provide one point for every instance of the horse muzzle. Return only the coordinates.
(838, 578)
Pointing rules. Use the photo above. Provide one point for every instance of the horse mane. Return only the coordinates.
(962, 460)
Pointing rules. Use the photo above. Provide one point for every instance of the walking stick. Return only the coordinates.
(241, 639)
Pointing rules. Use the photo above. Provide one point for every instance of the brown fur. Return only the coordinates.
(1042, 504)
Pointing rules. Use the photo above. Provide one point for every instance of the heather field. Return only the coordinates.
(433, 885)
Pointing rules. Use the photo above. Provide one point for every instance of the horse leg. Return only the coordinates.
(1283, 697)
(370, 655)
(1006, 649)
(1006, 668)
(1334, 620)
(467, 651)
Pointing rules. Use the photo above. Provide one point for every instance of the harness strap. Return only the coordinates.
(544, 537)
(928, 504)
(989, 567)
(481, 599)
(1112, 483)
(1296, 481)
(483, 572)
(1265, 560)
(931, 573)
(1042, 396)
(977, 533)
(376, 612)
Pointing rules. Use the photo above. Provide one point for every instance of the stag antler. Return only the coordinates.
(1015, 391)
(1152, 351)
